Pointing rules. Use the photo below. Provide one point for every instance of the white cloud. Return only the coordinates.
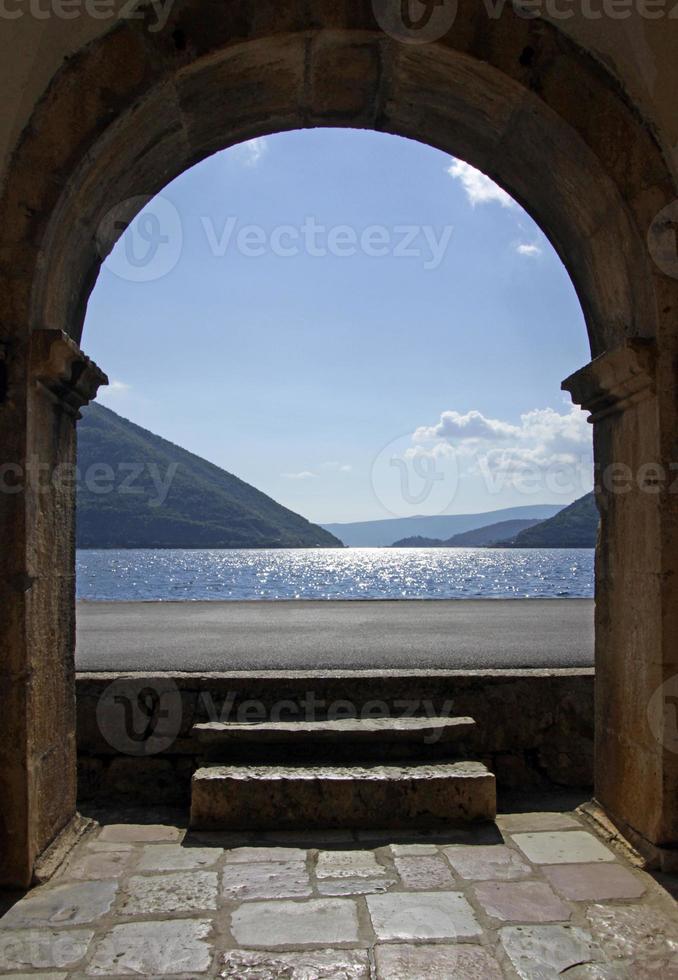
(531, 251)
(478, 187)
(303, 475)
(473, 425)
(337, 466)
(540, 426)
(556, 447)
(116, 387)
(252, 151)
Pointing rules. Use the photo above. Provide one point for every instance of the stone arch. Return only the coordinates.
(512, 96)
(135, 109)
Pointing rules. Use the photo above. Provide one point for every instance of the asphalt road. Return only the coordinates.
(306, 635)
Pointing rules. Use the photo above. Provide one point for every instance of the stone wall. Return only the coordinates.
(534, 727)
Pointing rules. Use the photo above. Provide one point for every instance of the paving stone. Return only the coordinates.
(521, 901)
(243, 855)
(465, 962)
(487, 862)
(97, 865)
(356, 886)
(157, 949)
(593, 882)
(174, 857)
(633, 930)
(515, 823)
(563, 847)
(39, 976)
(422, 915)
(312, 923)
(266, 879)
(544, 952)
(348, 864)
(132, 833)
(181, 891)
(653, 968)
(327, 964)
(626, 941)
(644, 969)
(604, 971)
(69, 904)
(42, 948)
(413, 850)
(108, 846)
(423, 872)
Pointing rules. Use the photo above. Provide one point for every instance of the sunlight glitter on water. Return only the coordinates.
(351, 573)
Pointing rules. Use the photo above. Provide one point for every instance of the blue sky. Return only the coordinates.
(308, 309)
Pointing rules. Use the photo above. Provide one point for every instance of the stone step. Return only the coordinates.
(300, 797)
(354, 730)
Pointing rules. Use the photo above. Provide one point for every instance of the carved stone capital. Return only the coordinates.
(616, 380)
(62, 370)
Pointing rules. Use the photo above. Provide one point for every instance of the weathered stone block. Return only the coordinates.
(314, 923)
(424, 915)
(154, 949)
(326, 964)
(345, 80)
(232, 797)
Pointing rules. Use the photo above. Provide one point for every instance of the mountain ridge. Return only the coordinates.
(382, 533)
(164, 496)
(575, 526)
(480, 537)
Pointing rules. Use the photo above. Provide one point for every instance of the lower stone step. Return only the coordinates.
(376, 797)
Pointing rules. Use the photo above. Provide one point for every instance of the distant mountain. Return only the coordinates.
(136, 490)
(481, 537)
(574, 527)
(381, 534)
(418, 542)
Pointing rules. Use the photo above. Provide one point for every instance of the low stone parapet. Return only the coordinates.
(534, 728)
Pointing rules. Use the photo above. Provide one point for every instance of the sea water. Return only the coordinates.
(334, 573)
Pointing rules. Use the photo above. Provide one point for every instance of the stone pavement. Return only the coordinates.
(536, 897)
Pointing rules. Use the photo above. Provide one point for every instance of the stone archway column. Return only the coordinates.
(43, 384)
(636, 737)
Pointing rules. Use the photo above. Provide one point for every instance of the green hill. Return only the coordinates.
(136, 490)
(418, 542)
(574, 527)
(441, 527)
(479, 537)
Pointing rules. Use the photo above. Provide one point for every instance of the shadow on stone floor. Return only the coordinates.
(8, 899)
(330, 839)
(105, 813)
(508, 803)
(541, 801)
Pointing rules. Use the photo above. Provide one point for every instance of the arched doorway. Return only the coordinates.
(134, 109)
